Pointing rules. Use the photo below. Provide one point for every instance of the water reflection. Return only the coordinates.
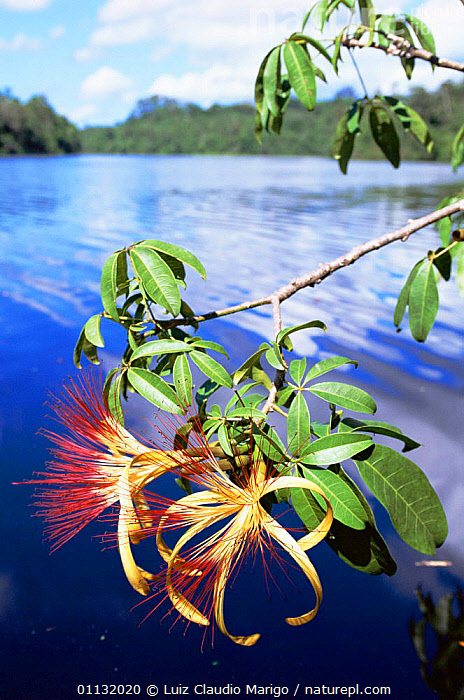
(438, 639)
(268, 219)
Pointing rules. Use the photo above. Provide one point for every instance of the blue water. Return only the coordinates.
(255, 223)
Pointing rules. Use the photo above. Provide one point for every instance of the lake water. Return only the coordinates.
(255, 223)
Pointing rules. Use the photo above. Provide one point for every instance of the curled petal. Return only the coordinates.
(179, 601)
(203, 498)
(234, 537)
(291, 546)
(127, 515)
(314, 537)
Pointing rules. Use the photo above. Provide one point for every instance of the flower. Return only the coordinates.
(198, 579)
(82, 481)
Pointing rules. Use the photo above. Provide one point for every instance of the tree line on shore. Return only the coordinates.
(164, 126)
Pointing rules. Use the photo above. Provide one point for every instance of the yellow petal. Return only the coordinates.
(235, 533)
(202, 498)
(312, 538)
(127, 516)
(180, 602)
(142, 520)
(291, 546)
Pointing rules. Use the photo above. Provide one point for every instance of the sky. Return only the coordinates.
(93, 59)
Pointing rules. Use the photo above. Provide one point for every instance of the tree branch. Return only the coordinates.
(323, 270)
(280, 373)
(401, 47)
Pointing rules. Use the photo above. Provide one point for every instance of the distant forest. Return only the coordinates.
(34, 127)
(164, 126)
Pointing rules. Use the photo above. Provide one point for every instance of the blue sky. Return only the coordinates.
(94, 59)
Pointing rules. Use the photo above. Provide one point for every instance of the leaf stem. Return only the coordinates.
(361, 80)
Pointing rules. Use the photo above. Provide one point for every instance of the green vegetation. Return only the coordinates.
(163, 126)
(160, 125)
(34, 127)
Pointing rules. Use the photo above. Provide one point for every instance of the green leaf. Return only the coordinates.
(298, 425)
(114, 398)
(156, 277)
(344, 143)
(239, 394)
(297, 370)
(274, 357)
(301, 73)
(386, 26)
(307, 508)
(444, 229)
(182, 377)
(403, 299)
(293, 329)
(154, 389)
(337, 51)
(210, 345)
(423, 302)
(347, 508)
(85, 346)
(345, 395)
(297, 36)
(92, 331)
(161, 347)
(254, 400)
(259, 375)
(178, 253)
(328, 365)
(211, 368)
(205, 391)
(247, 412)
(271, 80)
(320, 429)
(259, 86)
(457, 149)
(224, 440)
(411, 121)
(370, 426)
(384, 133)
(90, 351)
(460, 269)
(423, 33)
(111, 275)
(443, 263)
(244, 370)
(109, 378)
(334, 448)
(364, 550)
(267, 442)
(285, 396)
(404, 490)
(354, 117)
(408, 66)
(78, 349)
(367, 12)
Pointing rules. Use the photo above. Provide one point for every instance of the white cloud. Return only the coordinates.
(20, 42)
(122, 33)
(222, 43)
(445, 19)
(57, 32)
(25, 4)
(219, 83)
(106, 82)
(88, 53)
(82, 113)
(120, 10)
